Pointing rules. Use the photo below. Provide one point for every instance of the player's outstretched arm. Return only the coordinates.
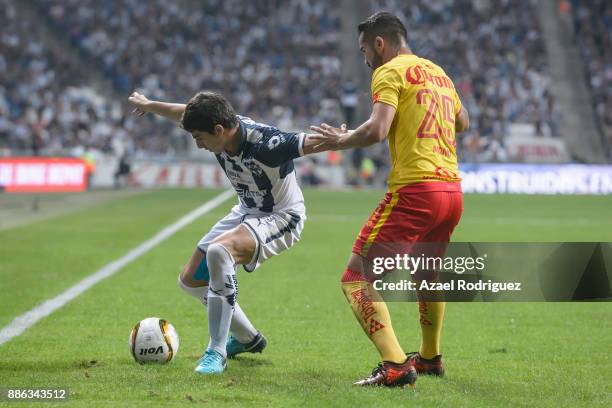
(462, 120)
(372, 131)
(142, 105)
(313, 144)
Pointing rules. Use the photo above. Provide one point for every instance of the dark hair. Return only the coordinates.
(207, 109)
(385, 25)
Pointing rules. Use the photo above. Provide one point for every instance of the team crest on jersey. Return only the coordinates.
(253, 167)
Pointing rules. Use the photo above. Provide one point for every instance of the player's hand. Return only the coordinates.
(328, 137)
(140, 103)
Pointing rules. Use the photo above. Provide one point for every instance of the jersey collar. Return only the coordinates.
(243, 139)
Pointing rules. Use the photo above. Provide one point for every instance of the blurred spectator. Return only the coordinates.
(349, 102)
(593, 28)
(493, 150)
(271, 58)
(123, 172)
(308, 175)
(46, 104)
(275, 60)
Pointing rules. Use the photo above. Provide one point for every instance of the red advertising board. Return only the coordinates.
(42, 174)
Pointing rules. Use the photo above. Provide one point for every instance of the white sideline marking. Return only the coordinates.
(28, 319)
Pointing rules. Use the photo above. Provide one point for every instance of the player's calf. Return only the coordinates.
(194, 278)
(222, 292)
(198, 292)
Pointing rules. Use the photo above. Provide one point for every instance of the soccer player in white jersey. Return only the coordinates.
(258, 161)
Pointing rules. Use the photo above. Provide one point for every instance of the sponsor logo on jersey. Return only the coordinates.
(441, 173)
(417, 75)
(250, 193)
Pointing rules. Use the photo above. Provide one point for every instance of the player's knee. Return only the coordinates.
(199, 292)
(239, 243)
(223, 283)
(351, 275)
(218, 255)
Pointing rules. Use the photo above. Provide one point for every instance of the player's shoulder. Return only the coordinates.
(423, 71)
(430, 65)
(262, 140)
(396, 64)
(251, 124)
(257, 132)
(395, 69)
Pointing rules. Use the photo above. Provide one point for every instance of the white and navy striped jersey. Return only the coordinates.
(262, 172)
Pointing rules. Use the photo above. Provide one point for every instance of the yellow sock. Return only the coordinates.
(373, 315)
(431, 317)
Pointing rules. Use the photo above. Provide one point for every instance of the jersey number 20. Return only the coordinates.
(429, 127)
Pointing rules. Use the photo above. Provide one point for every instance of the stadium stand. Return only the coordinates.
(288, 75)
(278, 61)
(593, 29)
(47, 103)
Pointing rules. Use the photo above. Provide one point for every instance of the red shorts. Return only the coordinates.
(424, 212)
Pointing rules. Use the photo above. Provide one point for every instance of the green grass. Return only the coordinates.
(511, 354)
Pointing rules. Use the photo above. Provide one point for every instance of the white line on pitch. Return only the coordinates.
(28, 319)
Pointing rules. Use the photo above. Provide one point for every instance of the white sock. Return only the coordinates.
(221, 295)
(241, 327)
(198, 292)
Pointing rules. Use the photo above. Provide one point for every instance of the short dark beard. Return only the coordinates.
(376, 62)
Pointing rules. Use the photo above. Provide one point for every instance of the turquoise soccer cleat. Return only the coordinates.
(211, 362)
(234, 347)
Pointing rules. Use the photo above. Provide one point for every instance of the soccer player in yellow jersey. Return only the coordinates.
(416, 107)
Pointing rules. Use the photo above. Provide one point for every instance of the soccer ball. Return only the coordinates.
(153, 340)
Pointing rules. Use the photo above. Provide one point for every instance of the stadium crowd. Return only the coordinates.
(593, 29)
(278, 61)
(47, 104)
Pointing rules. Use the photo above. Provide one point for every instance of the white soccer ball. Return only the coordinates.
(154, 340)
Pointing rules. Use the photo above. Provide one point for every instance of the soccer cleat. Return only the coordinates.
(426, 366)
(390, 374)
(211, 362)
(234, 347)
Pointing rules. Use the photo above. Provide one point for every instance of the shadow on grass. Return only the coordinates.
(247, 362)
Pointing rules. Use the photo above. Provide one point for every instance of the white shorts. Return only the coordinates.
(273, 232)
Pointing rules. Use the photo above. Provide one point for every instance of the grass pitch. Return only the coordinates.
(496, 354)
